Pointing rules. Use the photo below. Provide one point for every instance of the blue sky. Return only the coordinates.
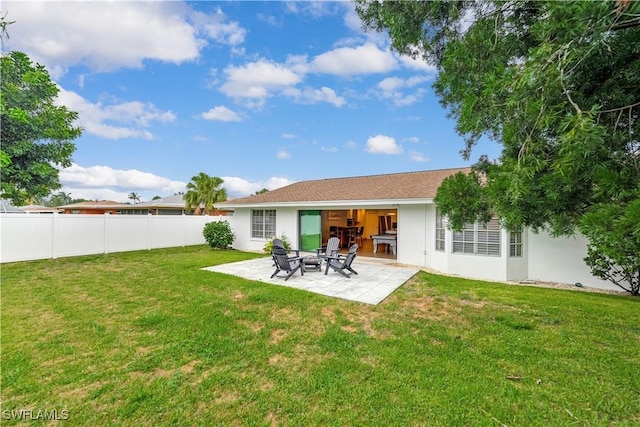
(261, 94)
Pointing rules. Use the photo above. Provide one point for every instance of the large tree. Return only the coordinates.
(202, 192)
(36, 136)
(557, 84)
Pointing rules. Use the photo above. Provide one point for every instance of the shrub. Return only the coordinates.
(269, 245)
(218, 234)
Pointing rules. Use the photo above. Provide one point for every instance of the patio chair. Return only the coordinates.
(330, 250)
(284, 262)
(278, 243)
(340, 263)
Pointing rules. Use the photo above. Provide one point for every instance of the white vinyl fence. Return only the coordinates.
(41, 236)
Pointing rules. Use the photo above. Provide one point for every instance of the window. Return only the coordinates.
(463, 241)
(439, 231)
(515, 243)
(263, 223)
(480, 239)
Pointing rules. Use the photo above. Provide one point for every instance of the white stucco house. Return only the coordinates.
(309, 212)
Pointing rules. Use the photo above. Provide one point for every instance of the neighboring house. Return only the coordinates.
(39, 209)
(97, 207)
(308, 212)
(7, 207)
(172, 205)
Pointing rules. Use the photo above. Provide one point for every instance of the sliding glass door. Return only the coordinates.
(310, 230)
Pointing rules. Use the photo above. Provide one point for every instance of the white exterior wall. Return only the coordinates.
(561, 260)
(478, 266)
(414, 235)
(242, 230)
(286, 224)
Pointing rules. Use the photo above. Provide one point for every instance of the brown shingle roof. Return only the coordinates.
(407, 185)
(97, 204)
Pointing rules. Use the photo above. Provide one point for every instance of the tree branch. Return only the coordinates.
(613, 110)
(635, 22)
(566, 92)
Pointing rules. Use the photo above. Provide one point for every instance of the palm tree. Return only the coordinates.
(60, 199)
(202, 192)
(134, 196)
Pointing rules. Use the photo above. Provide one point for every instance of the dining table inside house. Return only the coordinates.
(347, 234)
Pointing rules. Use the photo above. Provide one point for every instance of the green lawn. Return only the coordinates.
(147, 339)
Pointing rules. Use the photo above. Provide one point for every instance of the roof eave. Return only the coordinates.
(331, 203)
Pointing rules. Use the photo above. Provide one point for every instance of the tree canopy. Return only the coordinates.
(557, 84)
(202, 192)
(36, 135)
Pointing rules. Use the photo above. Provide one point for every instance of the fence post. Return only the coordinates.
(106, 232)
(183, 227)
(55, 235)
(206, 221)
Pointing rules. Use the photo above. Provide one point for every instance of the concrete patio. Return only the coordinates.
(376, 278)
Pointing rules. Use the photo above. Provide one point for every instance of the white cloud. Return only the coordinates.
(413, 139)
(310, 95)
(99, 194)
(240, 187)
(103, 178)
(329, 149)
(395, 88)
(106, 183)
(277, 182)
(103, 35)
(416, 80)
(283, 154)
(351, 18)
(417, 64)
(410, 99)
(348, 61)
(315, 9)
(222, 114)
(416, 156)
(108, 121)
(269, 19)
(298, 64)
(108, 35)
(217, 27)
(382, 144)
(390, 85)
(256, 80)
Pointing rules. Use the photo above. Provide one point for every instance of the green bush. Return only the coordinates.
(218, 234)
(269, 245)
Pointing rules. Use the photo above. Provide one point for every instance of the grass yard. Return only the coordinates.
(148, 339)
